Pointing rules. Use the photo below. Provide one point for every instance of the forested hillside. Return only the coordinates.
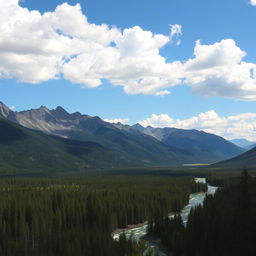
(24, 151)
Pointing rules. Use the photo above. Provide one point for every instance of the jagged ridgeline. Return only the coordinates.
(150, 145)
(93, 143)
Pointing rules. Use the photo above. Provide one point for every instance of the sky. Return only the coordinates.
(166, 63)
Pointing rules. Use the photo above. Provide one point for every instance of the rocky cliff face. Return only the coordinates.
(57, 121)
(4, 110)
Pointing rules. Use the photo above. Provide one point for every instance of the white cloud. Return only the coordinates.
(118, 120)
(237, 126)
(218, 70)
(162, 120)
(35, 48)
(38, 47)
(12, 108)
(176, 31)
(253, 2)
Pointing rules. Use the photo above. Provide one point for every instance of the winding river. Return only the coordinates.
(194, 200)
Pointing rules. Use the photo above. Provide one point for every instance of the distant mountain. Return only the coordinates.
(139, 148)
(205, 147)
(247, 159)
(23, 150)
(243, 143)
(250, 146)
(148, 146)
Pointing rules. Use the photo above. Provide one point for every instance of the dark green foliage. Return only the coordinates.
(225, 224)
(9, 133)
(171, 231)
(76, 216)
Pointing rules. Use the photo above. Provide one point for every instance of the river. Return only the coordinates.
(194, 200)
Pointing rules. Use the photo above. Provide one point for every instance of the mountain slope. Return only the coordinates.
(243, 143)
(205, 147)
(250, 146)
(136, 146)
(246, 159)
(149, 146)
(24, 150)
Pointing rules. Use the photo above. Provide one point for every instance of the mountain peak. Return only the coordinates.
(43, 108)
(4, 110)
(60, 113)
(61, 109)
(137, 126)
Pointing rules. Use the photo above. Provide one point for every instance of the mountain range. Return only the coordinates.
(243, 143)
(133, 148)
(204, 146)
(132, 145)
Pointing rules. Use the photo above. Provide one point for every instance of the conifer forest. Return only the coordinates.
(76, 216)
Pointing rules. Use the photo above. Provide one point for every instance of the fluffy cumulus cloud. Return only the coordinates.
(37, 47)
(218, 70)
(237, 126)
(253, 2)
(118, 120)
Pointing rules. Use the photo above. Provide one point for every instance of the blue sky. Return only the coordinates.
(166, 80)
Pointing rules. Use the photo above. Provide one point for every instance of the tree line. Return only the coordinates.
(77, 216)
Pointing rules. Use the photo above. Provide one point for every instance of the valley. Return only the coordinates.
(82, 139)
(127, 128)
(66, 174)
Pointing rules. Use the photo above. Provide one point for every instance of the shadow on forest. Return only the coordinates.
(9, 133)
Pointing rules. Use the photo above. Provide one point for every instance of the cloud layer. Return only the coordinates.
(118, 120)
(218, 70)
(38, 47)
(253, 2)
(231, 127)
